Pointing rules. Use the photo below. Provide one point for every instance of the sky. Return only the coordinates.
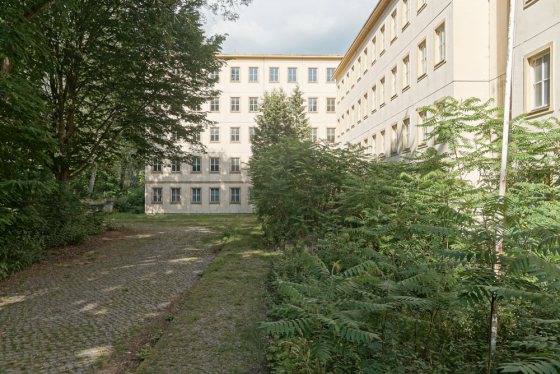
(293, 26)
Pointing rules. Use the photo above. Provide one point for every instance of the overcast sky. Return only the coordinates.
(293, 26)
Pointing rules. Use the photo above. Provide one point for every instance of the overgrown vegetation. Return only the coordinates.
(390, 267)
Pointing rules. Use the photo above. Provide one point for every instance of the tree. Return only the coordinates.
(281, 118)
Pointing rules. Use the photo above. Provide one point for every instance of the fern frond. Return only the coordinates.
(537, 365)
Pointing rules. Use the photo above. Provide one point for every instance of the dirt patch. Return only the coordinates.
(65, 254)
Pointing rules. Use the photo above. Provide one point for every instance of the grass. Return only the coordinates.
(216, 330)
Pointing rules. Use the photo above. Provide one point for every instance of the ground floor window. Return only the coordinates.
(235, 195)
(214, 196)
(196, 195)
(157, 195)
(176, 195)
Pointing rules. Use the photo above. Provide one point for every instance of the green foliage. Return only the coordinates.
(403, 253)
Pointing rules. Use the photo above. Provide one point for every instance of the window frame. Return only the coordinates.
(382, 92)
(421, 4)
(175, 163)
(530, 109)
(160, 167)
(277, 75)
(310, 76)
(422, 130)
(406, 73)
(405, 14)
(422, 63)
(238, 134)
(333, 105)
(373, 99)
(199, 195)
(211, 189)
(289, 79)
(231, 75)
(231, 171)
(374, 146)
(406, 136)
(394, 139)
(251, 75)
(394, 25)
(382, 39)
(394, 82)
(171, 195)
(160, 195)
(216, 80)
(238, 195)
(373, 50)
(195, 164)
(251, 104)
(231, 104)
(309, 105)
(211, 135)
(440, 60)
(383, 145)
(251, 129)
(213, 165)
(333, 135)
(212, 103)
(315, 131)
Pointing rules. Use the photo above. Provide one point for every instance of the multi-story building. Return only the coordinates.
(218, 182)
(412, 53)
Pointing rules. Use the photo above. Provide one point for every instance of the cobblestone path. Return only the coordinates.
(62, 319)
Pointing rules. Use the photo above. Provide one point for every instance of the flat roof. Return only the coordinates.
(364, 32)
(281, 57)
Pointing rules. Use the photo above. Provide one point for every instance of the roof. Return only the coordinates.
(364, 32)
(282, 57)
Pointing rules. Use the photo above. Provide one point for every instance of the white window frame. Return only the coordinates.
(237, 195)
(235, 165)
(276, 75)
(312, 105)
(235, 104)
(253, 104)
(214, 198)
(312, 75)
(214, 165)
(253, 74)
(291, 72)
(440, 44)
(331, 134)
(314, 135)
(196, 165)
(235, 134)
(175, 198)
(331, 105)
(214, 134)
(330, 73)
(215, 104)
(196, 198)
(541, 85)
(235, 74)
(406, 134)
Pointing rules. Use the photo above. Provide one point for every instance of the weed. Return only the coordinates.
(144, 352)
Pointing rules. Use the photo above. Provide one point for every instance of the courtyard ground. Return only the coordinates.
(169, 294)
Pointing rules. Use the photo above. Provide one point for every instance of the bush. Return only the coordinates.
(133, 202)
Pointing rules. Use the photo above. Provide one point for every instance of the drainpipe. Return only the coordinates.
(505, 143)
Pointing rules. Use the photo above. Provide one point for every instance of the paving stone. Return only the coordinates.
(63, 318)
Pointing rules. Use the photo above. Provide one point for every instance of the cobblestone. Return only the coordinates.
(63, 319)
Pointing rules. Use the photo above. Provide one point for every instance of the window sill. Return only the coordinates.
(157, 172)
(175, 203)
(359, 79)
(365, 117)
(406, 26)
(394, 97)
(393, 154)
(214, 172)
(423, 145)
(374, 111)
(539, 112)
(439, 64)
(422, 8)
(365, 72)
(529, 3)
(382, 156)
(360, 121)
(381, 105)
(393, 40)
(214, 203)
(196, 203)
(352, 87)
(382, 53)
(291, 82)
(235, 172)
(406, 150)
(406, 88)
(176, 172)
(422, 77)
(232, 203)
(373, 62)
(352, 127)
(156, 203)
(347, 92)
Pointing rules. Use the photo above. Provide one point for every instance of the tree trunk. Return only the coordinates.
(92, 181)
(492, 331)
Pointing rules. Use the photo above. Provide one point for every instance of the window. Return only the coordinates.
(366, 148)
(352, 76)
(406, 72)
(406, 12)
(253, 74)
(374, 146)
(347, 120)
(253, 104)
(314, 135)
(175, 196)
(540, 81)
(373, 99)
(175, 166)
(215, 104)
(235, 195)
(235, 75)
(394, 25)
(338, 92)
(214, 134)
(383, 143)
(250, 197)
(331, 108)
(331, 133)
(423, 130)
(156, 167)
(352, 116)
(196, 165)
(214, 196)
(440, 37)
(422, 59)
(373, 50)
(347, 82)
(235, 165)
(339, 129)
(215, 75)
(394, 82)
(382, 92)
(382, 39)
(406, 134)
(196, 195)
(312, 104)
(365, 60)
(196, 136)
(274, 75)
(251, 134)
(234, 134)
(312, 75)
(214, 165)
(292, 75)
(174, 136)
(330, 73)
(359, 68)
(234, 104)
(421, 4)
(359, 114)
(365, 106)
(394, 139)
(157, 195)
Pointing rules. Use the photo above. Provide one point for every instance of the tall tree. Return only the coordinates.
(281, 117)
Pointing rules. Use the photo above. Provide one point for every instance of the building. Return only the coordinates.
(411, 53)
(219, 183)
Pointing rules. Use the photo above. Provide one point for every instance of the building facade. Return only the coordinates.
(219, 183)
(412, 53)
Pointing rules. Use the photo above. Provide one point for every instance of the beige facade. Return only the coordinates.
(222, 185)
(411, 53)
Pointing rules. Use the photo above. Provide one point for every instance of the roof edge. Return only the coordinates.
(281, 57)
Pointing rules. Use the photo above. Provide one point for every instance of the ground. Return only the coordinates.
(169, 294)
